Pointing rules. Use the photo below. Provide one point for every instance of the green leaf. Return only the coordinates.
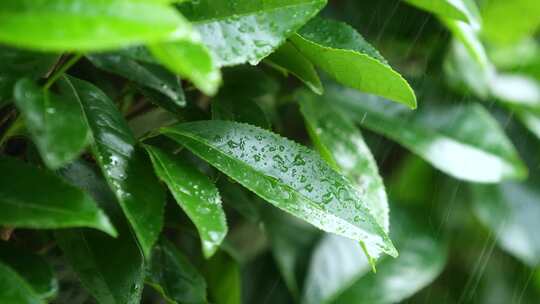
(223, 276)
(290, 240)
(191, 60)
(462, 140)
(37, 199)
(15, 289)
(341, 144)
(111, 269)
(336, 263)
(466, 73)
(33, 268)
(174, 277)
(516, 90)
(195, 194)
(236, 197)
(125, 166)
(339, 273)
(287, 175)
(248, 30)
(344, 54)
(422, 258)
(468, 36)
(55, 122)
(288, 59)
(79, 25)
(511, 211)
(507, 22)
(15, 64)
(239, 108)
(144, 74)
(464, 29)
(454, 9)
(531, 121)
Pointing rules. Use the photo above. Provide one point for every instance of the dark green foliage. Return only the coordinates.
(157, 151)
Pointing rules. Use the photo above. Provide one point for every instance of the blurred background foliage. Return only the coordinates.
(459, 241)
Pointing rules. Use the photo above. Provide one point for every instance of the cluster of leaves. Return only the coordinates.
(114, 113)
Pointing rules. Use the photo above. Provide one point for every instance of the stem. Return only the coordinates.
(12, 130)
(61, 71)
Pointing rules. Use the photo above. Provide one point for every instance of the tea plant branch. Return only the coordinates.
(61, 71)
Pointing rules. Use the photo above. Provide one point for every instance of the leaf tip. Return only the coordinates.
(105, 225)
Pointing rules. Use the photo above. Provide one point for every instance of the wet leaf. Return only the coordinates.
(248, 30)
(55, 121)
(511, 211)
(125, 167)
(51, 203)
(195, 194)
(79, 25)
(111, 269)
(174, 277)
(465, 29)
(287, 175)
(517, 92)
(341, 144)
(190, 59)
(462, 140)
(336, 263)
(15, 289)
(422, 258)
(468, 37)
(144, 74)
(339, 272)
(33, 268)
(288, 59)
(454, 9)
(344, 54)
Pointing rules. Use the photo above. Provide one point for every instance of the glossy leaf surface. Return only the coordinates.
(248, 30)
(190, 59)
(55, 122)
(422, 258)
(339, 273)
(174, 277)
(289, 176)
(195, 194)
(463, 141)
(336, 263)
(111, 269)
(454, 9)
(511, 211)
(78, 25)
(51, 204)
(15, 289)
(288, 59)
(341, 144)
(126, 167)
(344, 54)
(145, 74)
